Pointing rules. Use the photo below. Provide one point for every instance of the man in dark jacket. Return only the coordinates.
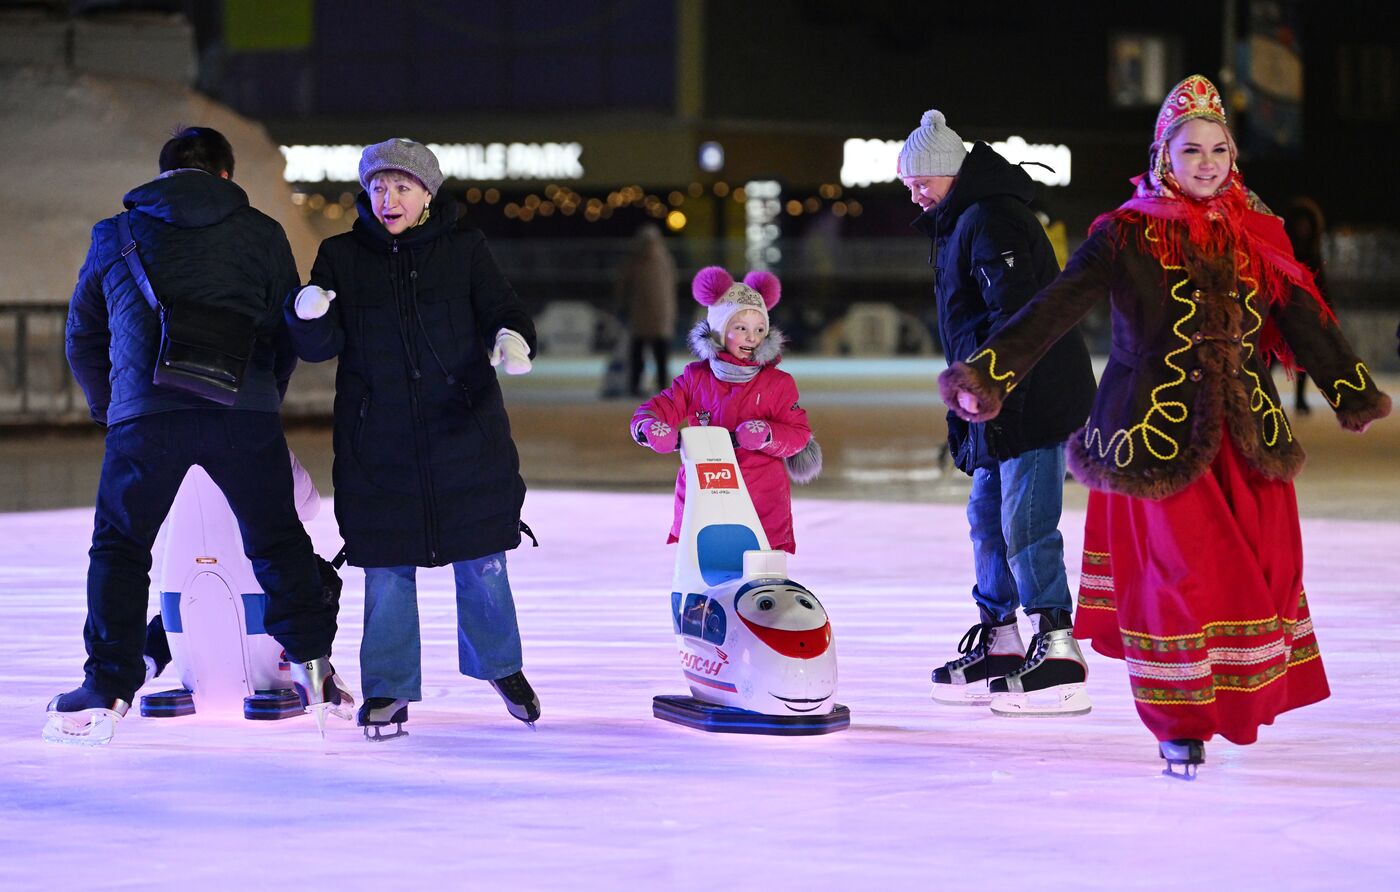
(990, 255)
(198, 240)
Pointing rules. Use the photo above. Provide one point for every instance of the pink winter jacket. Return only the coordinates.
(698, 397)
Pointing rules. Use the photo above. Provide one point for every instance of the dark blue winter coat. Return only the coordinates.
(199, 240)
(425, 469)
(991, 256)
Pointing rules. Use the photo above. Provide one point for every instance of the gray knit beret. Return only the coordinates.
(401, 154)
(932, 150)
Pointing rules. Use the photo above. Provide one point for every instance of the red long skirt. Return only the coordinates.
(1202, 594)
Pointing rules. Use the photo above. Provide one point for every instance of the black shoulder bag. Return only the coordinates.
(204, 350)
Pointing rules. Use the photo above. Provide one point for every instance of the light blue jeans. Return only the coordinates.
(488, 638)
(1017, 551)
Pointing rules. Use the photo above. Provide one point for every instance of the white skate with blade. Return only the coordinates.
(83, 727)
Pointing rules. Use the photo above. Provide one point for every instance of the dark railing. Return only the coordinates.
(35, 381)
(883, 281)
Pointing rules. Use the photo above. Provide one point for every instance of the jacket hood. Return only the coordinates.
(707, 345)
(188, 199)
(984, 174)
(371, 233)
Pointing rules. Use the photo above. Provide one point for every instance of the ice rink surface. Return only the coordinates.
(602, 796)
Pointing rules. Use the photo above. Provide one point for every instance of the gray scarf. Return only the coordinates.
(730, 373)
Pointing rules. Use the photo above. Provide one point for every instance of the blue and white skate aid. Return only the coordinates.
(212, 608)
(755, 646)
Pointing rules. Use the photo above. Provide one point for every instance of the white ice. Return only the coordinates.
(603, 796)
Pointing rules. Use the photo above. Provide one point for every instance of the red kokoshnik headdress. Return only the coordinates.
(1233, 220)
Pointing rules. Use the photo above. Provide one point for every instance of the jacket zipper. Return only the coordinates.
(420, 433)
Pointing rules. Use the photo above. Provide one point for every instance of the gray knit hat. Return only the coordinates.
(401, 154)
(932, 150)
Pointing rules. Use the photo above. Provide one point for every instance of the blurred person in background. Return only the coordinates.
(646, 288)
(1305, 226)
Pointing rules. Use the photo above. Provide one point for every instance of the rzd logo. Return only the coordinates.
(717, 475)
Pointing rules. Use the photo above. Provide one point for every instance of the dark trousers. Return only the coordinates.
(660, 350)
(245, 453)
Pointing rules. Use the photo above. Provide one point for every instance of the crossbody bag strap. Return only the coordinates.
(133, 262)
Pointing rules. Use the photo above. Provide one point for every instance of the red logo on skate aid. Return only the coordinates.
(717, 475)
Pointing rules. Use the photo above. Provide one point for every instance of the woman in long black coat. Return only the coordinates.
(425, 472)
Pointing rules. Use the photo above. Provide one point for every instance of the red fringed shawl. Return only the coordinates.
(1232, 221)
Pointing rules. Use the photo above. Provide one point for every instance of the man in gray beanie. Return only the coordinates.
(990, 256)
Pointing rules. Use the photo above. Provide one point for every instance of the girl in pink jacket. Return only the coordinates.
(736, 385)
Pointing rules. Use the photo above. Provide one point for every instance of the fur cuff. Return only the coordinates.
(706, 344)
(963, 378)
(805, 466)
(1373, 407)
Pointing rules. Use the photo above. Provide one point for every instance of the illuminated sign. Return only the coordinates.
(460, 161)
(866, 161)
(761, 208)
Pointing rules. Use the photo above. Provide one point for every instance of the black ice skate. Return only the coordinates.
(519, 697)
(989, 650)
(1051, 681)
(321, 691)
(1184, 753)
(381, 712)
(83, 717)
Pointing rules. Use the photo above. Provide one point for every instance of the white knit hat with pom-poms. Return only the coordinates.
(713, 287)
(932, 150)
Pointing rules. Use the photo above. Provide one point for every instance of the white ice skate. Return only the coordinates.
(1052, 682)
(83, 727)
(321, 691)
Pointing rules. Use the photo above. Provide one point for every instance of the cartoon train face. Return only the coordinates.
(758, 644)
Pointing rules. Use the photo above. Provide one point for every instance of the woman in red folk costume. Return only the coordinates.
(737, 385)
(1193, 558)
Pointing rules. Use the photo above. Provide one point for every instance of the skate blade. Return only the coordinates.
(378, 737)
(1067, 700)
(962, 695)
(87, 727)
(1187, 772)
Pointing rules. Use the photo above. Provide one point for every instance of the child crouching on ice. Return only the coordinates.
(736, 385)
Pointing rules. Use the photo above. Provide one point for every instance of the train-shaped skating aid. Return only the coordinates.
(755, 646)
(212, 607)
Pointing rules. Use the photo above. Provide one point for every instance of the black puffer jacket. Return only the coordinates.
(425, 470)
(198, 240)
(991, 255)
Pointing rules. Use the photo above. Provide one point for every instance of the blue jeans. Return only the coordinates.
(488, 638)
(1017, 551)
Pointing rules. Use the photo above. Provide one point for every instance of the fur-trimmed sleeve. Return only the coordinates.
(1320, 347)
(995, 368)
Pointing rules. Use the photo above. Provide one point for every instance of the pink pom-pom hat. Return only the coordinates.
(713, 287)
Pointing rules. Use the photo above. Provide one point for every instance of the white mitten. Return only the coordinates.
(512, 350)
(313, 301)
